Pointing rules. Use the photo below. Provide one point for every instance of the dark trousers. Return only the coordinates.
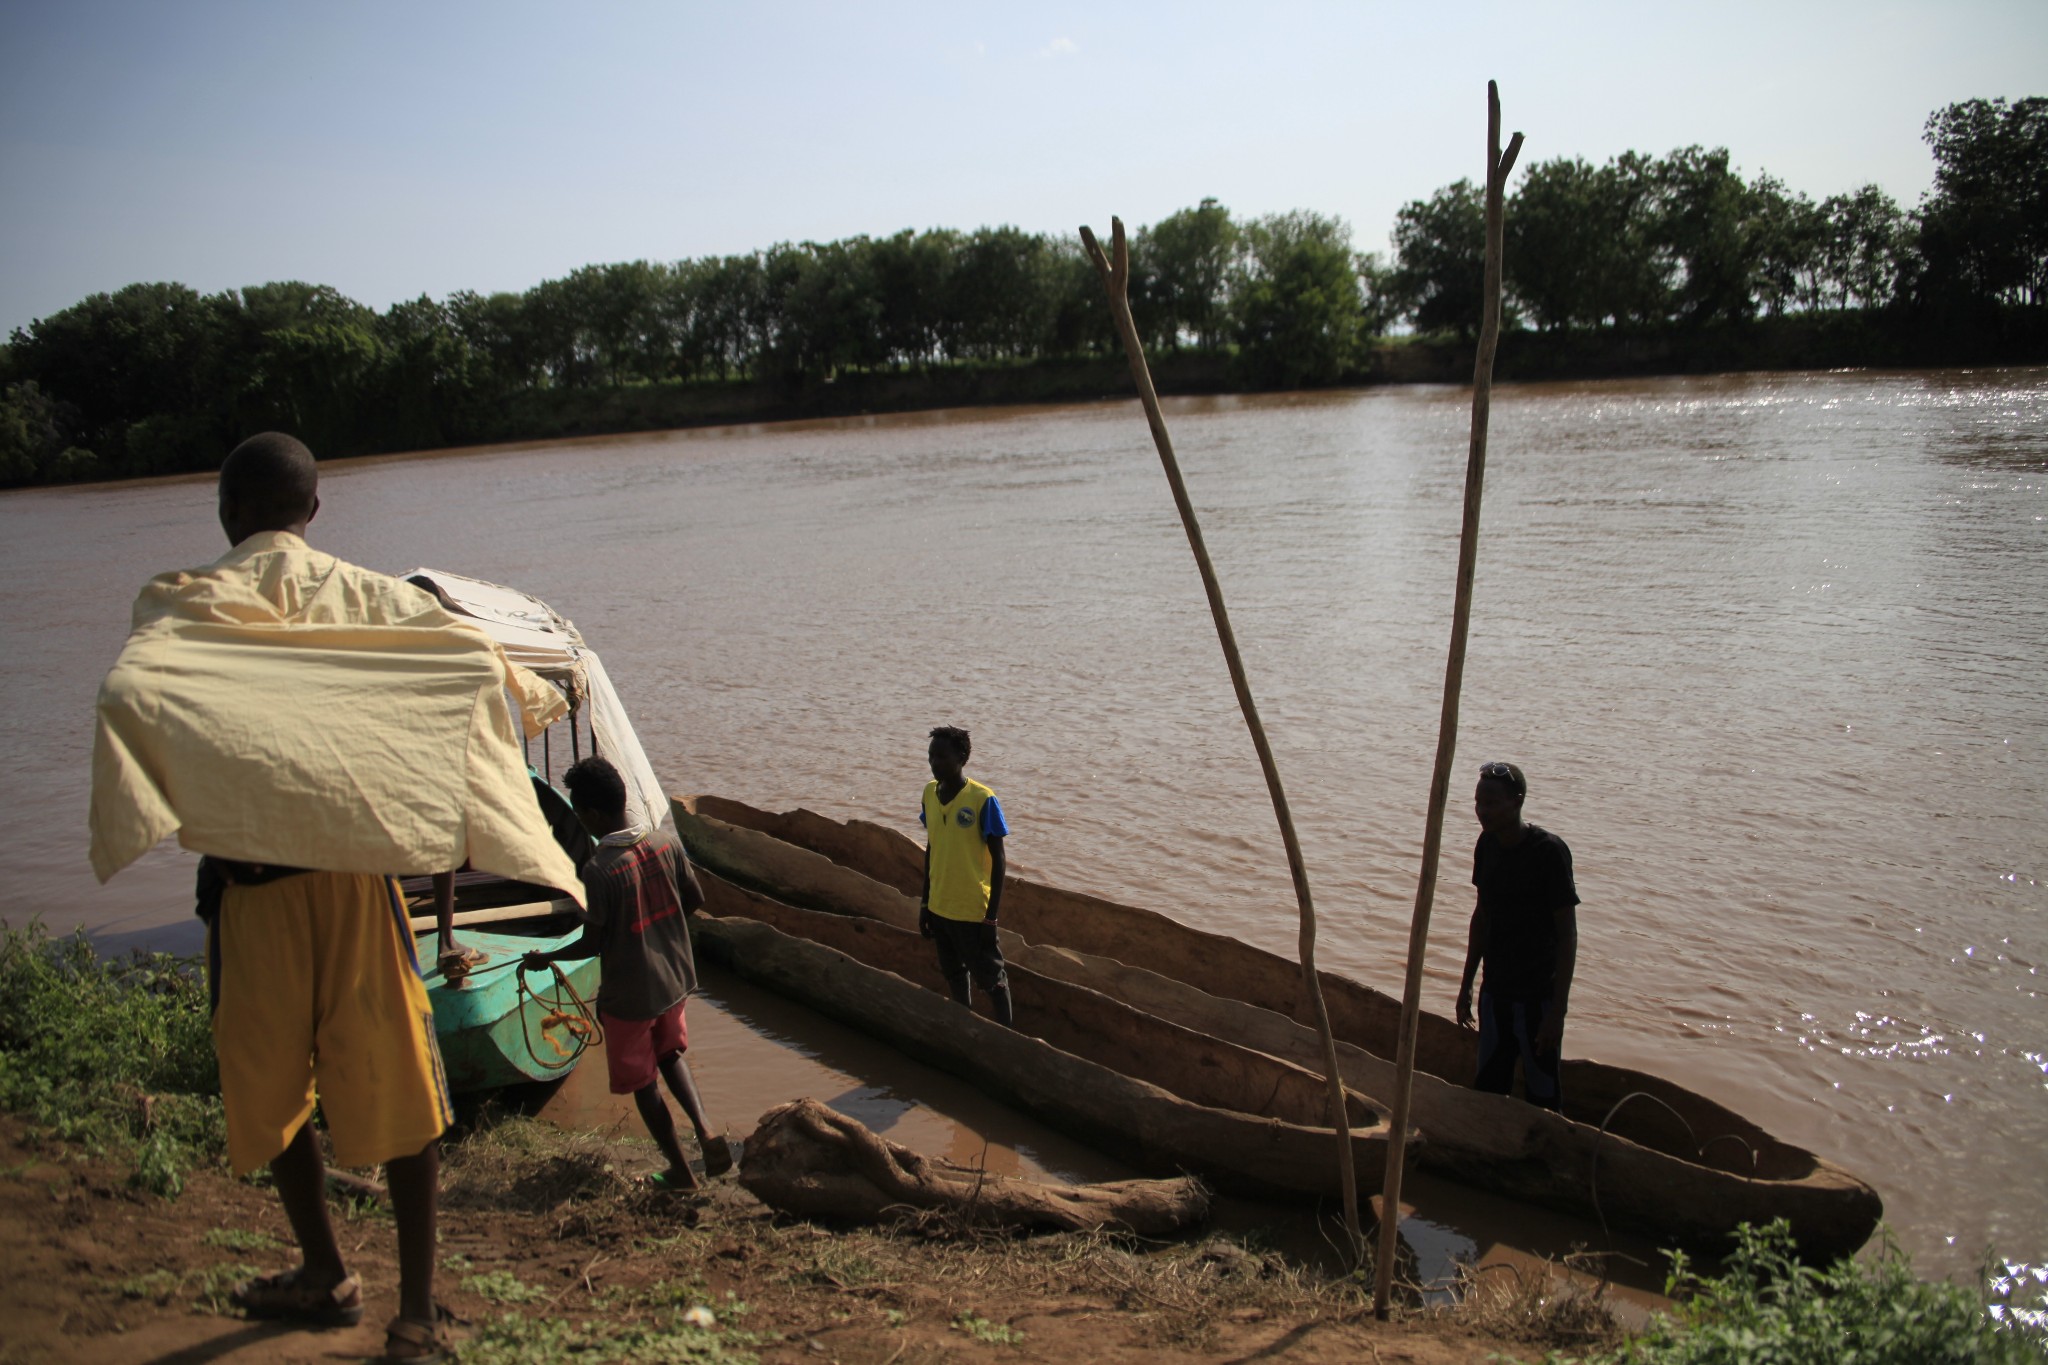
(1507, 1031)
(969, 949)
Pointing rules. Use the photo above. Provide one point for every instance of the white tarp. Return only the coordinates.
(535, 635)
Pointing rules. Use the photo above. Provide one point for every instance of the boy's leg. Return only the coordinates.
(301, 1178)
(661, 1125)
(675, 1069)
(952, 963)
(992, 973)
(415, 1183)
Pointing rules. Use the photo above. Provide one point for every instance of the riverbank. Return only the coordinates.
(552, 1249)
(444, 414)
(1835, 340)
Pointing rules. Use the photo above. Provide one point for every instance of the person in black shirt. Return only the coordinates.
(1525, 929)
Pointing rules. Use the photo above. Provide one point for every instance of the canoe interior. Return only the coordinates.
(1197, 1067)
(1681, 1122)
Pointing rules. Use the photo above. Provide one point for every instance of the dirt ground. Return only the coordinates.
(552, 1250)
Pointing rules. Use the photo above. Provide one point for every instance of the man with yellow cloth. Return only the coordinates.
(315, 728)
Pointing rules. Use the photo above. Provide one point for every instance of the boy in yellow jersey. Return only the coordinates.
(963, 874)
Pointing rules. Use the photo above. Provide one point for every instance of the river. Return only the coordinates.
(1771, 649)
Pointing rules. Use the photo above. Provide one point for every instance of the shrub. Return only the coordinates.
(1769, 1309)
(110, 1053)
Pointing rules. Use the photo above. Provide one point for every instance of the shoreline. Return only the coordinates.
(1798, 344)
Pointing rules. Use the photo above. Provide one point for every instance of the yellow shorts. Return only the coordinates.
(318, 990)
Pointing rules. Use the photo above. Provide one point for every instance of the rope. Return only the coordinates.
(1699, 1148)
(580, 1024)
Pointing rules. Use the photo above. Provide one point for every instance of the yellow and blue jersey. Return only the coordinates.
(957, 834)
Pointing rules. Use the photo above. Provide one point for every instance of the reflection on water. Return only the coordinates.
(1768, 646)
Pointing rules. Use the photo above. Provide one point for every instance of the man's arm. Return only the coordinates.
(689, 890)
(924, 897)
(998, 865)
(1475, 948)
(587, 944)
(1565, 922)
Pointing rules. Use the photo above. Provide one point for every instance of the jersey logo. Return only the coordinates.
(964, 817)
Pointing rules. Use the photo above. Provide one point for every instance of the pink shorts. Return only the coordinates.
(633, 1048)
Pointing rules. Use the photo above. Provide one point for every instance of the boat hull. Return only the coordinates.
(493, 1035)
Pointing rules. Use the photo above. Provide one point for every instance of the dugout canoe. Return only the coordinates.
(1632, 1150)
(1162, 1097)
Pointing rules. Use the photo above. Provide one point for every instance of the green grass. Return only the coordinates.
(206, 1288)
(1769, 1309)
(515, 1340)
(993, 1333)
(110, 1054)
(501, 1287)
(240, 1239)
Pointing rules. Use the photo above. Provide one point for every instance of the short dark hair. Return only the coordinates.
(272, 479)
(1506, 774)
(595, 785)
(958, 738)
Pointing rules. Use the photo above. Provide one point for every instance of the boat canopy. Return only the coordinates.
(534, 635)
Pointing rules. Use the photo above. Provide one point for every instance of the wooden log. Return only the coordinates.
(1114, 269)
(807, 1160)
(500, 914)
(1498, 166)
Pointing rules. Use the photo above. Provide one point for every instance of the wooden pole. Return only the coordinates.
(1116, 274)
(1497, 168)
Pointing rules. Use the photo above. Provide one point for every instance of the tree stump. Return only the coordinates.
(807, 1160)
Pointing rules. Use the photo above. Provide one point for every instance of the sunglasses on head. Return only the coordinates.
(1497, 770)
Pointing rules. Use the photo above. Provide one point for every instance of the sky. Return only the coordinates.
(393, 150)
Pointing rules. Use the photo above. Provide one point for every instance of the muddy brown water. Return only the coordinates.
(1770, 647)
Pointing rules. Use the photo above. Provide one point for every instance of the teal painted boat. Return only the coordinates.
(495, 1034)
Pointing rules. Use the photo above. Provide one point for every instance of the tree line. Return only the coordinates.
(1683, 239)
(157, 378)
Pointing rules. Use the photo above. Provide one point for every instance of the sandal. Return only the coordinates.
(284, 1295)
(673, 1184)
(407, 1342)
(717, 1155)
(457, 963)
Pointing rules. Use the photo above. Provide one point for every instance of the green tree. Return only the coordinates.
(999, 295)
(1864, 249)
(1300, 309)
(908, 273)
(1984, 228)
(1440, 260)
(125, 359)
(1080, 322)
(34, 439)
(1577, 244)
(1706, 229)
(1183, 266)
(1789, 232)
(305, 359)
